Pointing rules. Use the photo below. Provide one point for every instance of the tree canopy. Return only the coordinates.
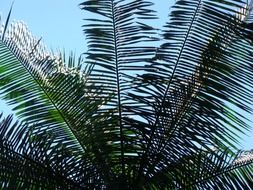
(144, 108)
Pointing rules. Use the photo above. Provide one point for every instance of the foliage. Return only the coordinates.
(144, 108)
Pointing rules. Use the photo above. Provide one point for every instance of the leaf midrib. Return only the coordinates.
(167, 89)
(114, 25)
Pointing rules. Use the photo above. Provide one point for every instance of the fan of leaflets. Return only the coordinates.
(132, 115)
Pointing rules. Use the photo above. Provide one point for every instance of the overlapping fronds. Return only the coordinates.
(24, 70)
(45, 92)
(207, 170)
(185, 97)
(136, 116)
(194, 89)
(117, 48)
(29, 159)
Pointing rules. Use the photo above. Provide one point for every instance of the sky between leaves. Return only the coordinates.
(59, 23)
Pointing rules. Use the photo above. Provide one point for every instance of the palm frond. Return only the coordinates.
(23, 63)
(189, 85)
(137, 116)
(31, 159)
(208, 170)
(34, 82)
(115, 42)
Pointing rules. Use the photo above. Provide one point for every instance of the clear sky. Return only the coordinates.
(59, 23)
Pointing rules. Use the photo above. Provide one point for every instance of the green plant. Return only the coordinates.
(131, 115)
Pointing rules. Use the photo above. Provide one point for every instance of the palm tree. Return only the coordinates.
(144, 108)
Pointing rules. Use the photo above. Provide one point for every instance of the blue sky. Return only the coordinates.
(59, 23)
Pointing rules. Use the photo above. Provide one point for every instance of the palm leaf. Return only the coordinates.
(33, 82)
(137, 117)
(31, 159)
(211, 170)
(22, 81)
(115, 42)
(191, 106)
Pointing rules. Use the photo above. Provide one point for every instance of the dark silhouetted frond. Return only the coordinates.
(142, 109)
(118, 46)
(31, 159)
